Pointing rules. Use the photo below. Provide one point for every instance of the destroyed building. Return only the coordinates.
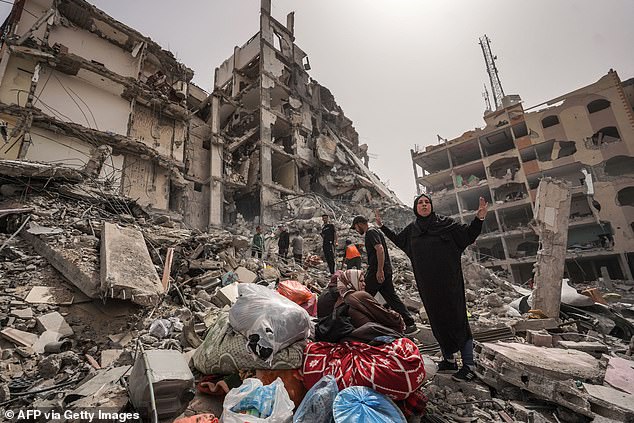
(278, 134)
(84, 90)
(585, 137)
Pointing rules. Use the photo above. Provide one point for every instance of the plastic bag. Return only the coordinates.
(270, 401)
(317, 404)
(270, 321)
(364, 405)
(294, 291)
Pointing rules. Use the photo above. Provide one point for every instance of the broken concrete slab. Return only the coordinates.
(245, 275)
(550, 373)
(620, 374)
(595, 349)
(611, 403)
(127, 271)
(97, 383)
(49, 295)
(84, 279)
(35, 229)
(33, 170)
(24, 313)
(108, 357)
(54, 322)
(19, 337)
(326, 149)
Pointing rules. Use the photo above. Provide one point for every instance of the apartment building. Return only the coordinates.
(585, 137)
(278, 134)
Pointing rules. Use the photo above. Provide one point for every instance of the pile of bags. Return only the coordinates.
(268, 333)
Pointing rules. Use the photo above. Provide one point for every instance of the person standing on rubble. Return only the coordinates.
(297, 246)
(257, 244)
(378, 277)
(434, 244)
(329, 239)
(283, 242)
(352, 256)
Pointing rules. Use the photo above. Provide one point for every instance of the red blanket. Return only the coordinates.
(395, 369)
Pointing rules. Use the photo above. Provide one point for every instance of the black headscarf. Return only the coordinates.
(433, 224)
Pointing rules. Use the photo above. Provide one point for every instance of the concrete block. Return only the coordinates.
(245, 275)
(54, 322)
(534, 324)
(127, 271)
(539, 338)
(227, 295)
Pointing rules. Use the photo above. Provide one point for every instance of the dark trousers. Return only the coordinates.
(258, 252)
(283, 251)
(298, 258)
(353, 263)
(372, 286)
(329, 255)
(466, 352)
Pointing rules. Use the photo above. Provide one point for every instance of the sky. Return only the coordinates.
(406, 70)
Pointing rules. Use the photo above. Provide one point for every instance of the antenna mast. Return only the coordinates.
(489, 58)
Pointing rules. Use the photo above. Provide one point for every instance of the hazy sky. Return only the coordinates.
(406, 70)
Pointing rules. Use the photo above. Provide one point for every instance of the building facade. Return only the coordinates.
(585, 137)
(278, 134)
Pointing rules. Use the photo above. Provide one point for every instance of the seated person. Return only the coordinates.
(348, 289)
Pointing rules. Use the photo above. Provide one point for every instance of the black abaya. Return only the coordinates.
(434, 246)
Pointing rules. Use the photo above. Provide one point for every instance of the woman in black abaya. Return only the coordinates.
(434, 244)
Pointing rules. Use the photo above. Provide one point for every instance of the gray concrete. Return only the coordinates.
(127, 271)
(552, 211)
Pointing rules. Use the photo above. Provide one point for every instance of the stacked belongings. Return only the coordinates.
(363, 345)
(262, 330)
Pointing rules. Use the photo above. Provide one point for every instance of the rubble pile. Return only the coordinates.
(92, 286)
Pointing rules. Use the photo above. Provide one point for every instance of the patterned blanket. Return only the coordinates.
(394, 369)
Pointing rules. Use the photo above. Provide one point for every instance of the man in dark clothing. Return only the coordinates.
(283, 242)
(378, 277)
(329, 238)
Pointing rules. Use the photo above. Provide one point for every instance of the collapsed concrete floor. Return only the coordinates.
(70, 314)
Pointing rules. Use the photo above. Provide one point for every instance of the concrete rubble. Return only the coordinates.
(114, 274)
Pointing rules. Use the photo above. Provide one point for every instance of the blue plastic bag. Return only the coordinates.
(263, 404)
(317, 404)
(359, 404)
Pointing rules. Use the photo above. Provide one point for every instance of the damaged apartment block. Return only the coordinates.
(585, 138)
(278, 134)
(82, 89)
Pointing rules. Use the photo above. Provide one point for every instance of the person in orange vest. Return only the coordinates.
(352, 256)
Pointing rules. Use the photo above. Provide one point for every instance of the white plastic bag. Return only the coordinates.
(251, 391)
(270, 321)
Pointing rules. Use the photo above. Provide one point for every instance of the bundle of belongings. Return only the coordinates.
(262, 330)
(269, 335)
